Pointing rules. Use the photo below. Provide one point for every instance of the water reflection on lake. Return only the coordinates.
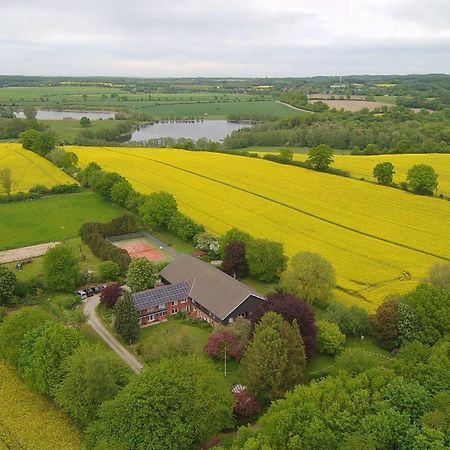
(45, 114)
(215, 130)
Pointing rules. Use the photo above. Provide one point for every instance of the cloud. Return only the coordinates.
(224, 37)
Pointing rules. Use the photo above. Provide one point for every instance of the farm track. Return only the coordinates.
(293, 208)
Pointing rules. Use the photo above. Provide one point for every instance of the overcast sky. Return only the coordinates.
(156, 38)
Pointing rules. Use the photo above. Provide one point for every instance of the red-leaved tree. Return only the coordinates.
(217, 342)
(290, 307)
(246, 404)
(111, 294)
(235, 261)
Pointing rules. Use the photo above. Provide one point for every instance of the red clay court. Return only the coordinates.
(142, 247)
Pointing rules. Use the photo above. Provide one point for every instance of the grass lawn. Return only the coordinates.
(67, 130)
(259, 286)
(321, 362)
(52, 218)
(198, 335)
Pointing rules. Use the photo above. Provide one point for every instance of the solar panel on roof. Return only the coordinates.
(161, 295)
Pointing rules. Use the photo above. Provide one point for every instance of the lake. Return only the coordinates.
(48, 114)
(215, 130)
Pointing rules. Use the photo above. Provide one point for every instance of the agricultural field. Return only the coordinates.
(362, 166)
(381, 241)
(51, 218)
(353, 105)
(30, 421)
(215, 105)
(219, 110)
(29, 169)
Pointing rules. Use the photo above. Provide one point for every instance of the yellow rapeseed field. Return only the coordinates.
(380, 240)
(362, 166)
(30, 421)
(29, 169)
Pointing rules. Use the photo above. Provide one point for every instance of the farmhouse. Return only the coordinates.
(199, 289)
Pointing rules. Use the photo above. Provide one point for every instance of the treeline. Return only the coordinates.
(10, 128)
(120, 131)
(94, 235)
(300, 100)
(388, 130)
(363, 400)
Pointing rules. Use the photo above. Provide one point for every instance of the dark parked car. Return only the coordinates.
(89, 292)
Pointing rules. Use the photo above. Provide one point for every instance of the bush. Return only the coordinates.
(62, 269)
(111, 294)
(220, 341)
(14, 328)
(65, 188)
(385, 324)
(184, 227)
(246, 404)
(266, 259)
(353, 321)
(142, 275)
(110, 271)
(330, 340)
(355, 361)
(7, 285)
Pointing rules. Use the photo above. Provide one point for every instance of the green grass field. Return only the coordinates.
(215, 105)
(51, 219)
(219, 110)
(68, 130)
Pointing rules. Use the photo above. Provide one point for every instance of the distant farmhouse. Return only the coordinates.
(199, 289)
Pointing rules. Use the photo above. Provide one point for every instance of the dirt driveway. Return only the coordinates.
(32, 251)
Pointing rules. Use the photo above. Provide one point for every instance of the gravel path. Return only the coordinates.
(25, 252)
(93, 320)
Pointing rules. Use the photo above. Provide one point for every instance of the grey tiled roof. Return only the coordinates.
(161, 295)
(213, 289)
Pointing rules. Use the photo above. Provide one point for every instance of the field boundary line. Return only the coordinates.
(293, 208)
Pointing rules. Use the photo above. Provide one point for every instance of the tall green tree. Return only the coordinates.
(62, 269)
(158, 209)
(384, 173)
(7, 285)
(330, 339)
(310, 277)
(173, 404)
(93, 376)
(47, 355)
(15, 326)
(320, 157)
(266, 259)
(275, 358)
(142, 275)
(233, 234)
(422, 179)
(126, 321)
